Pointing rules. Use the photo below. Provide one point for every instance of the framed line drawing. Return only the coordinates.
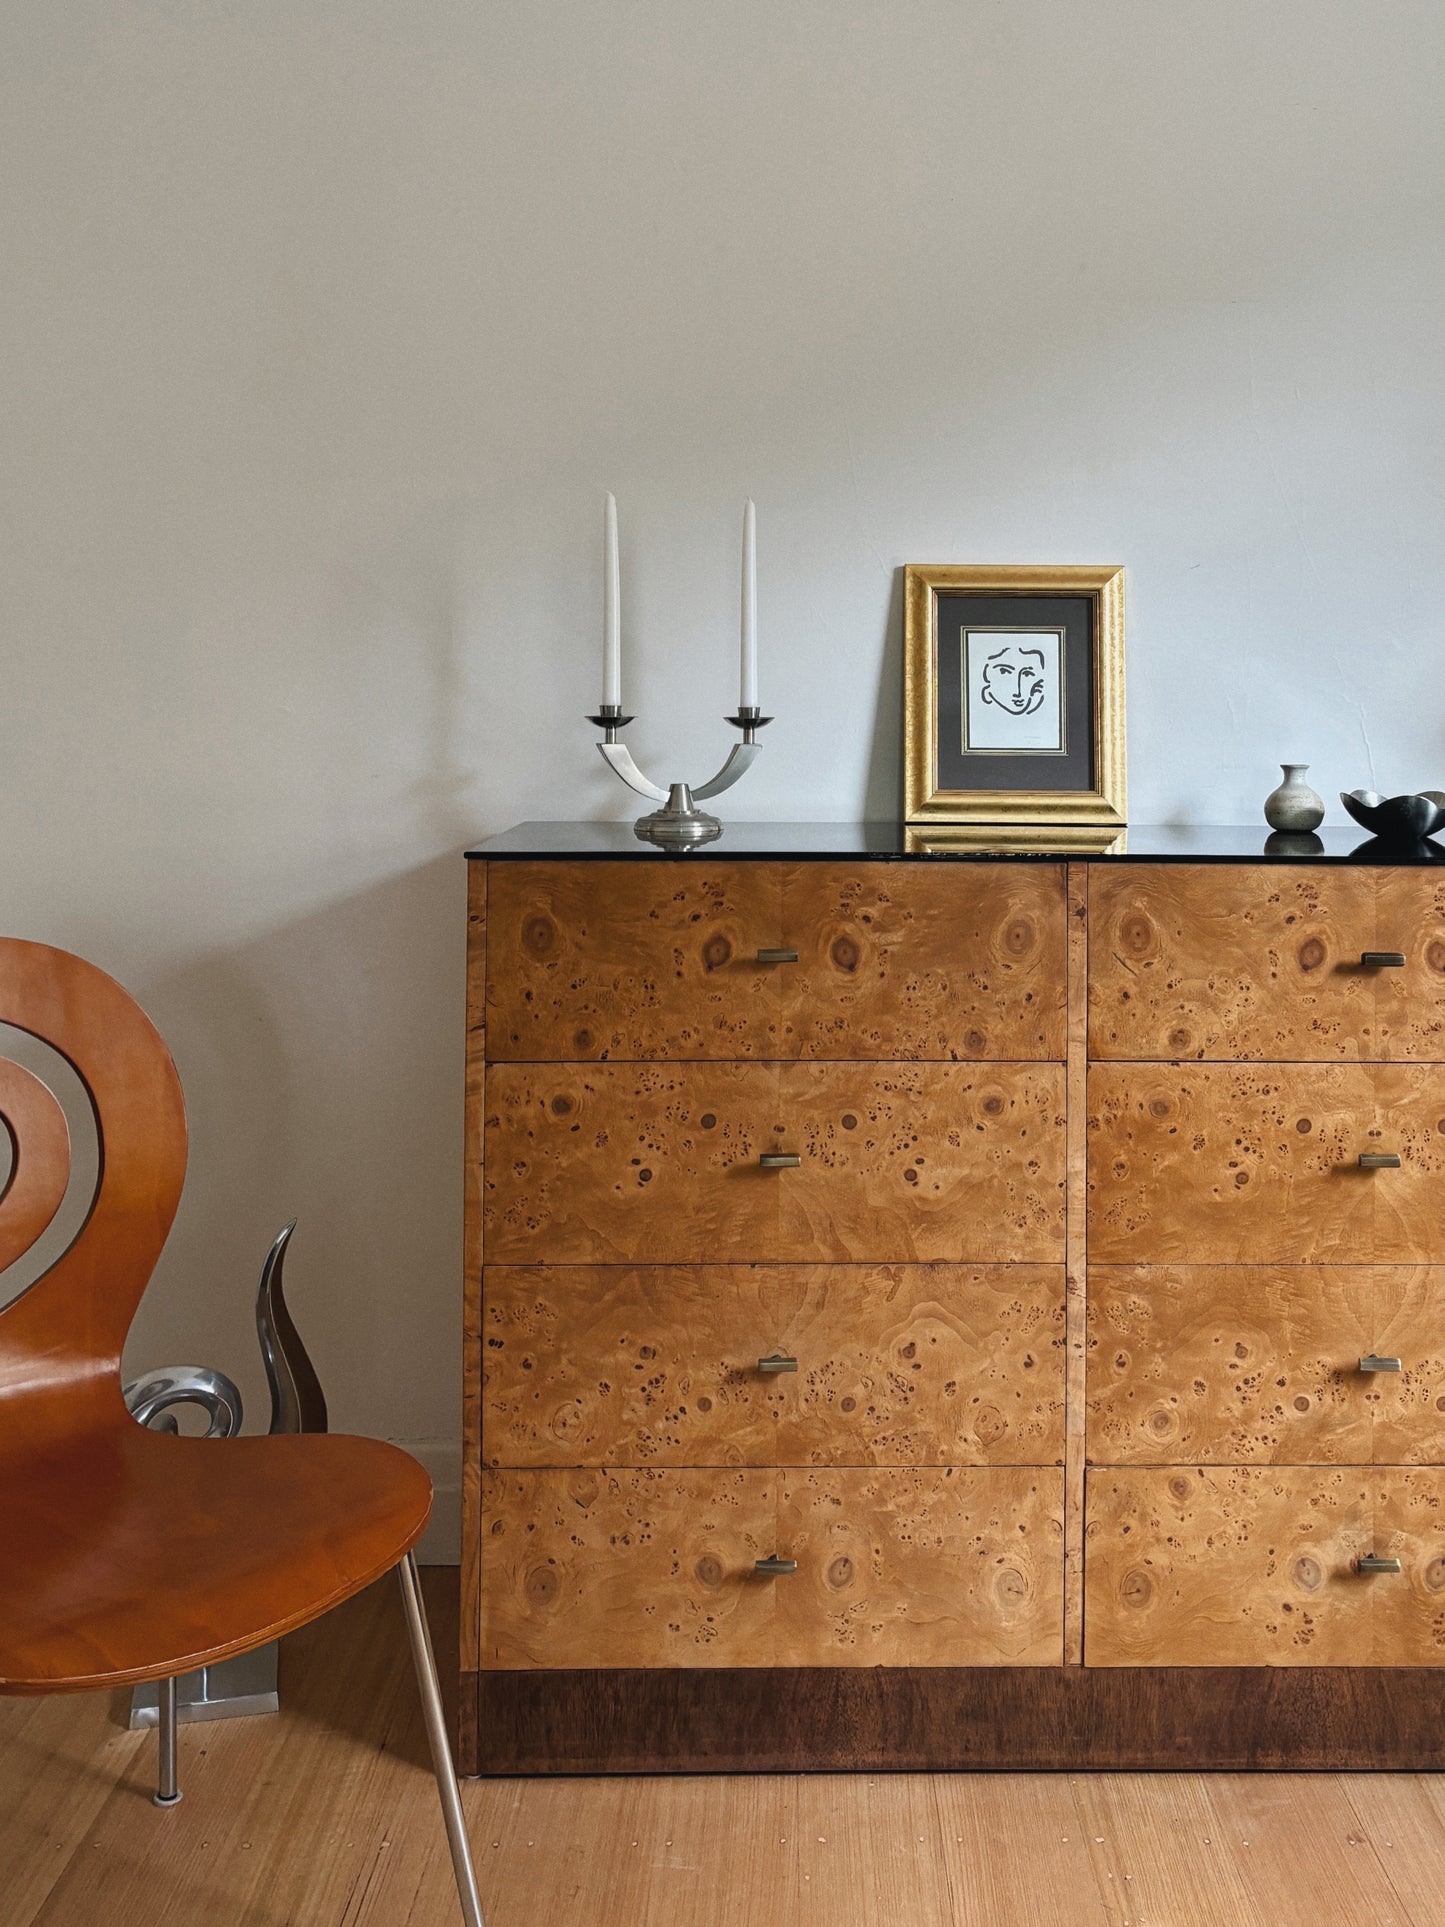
(1013, 694)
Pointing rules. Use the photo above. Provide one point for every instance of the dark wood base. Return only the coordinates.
(965, 1719)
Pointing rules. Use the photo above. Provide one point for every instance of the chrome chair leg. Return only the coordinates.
(441, 1752)
(167, 1792)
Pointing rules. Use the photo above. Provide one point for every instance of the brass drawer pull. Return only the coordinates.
(1382, 960)
(1372, 1362)
(777, 1363)
(1369, 1563)
(1379, 1160)
(791, 956)
(776, 1568)
(790, 1160)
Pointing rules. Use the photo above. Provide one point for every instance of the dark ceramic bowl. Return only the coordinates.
(1396, 817)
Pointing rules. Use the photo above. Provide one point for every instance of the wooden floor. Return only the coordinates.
(327, 1817)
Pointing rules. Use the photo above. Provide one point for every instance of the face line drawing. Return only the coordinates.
(1012, 682)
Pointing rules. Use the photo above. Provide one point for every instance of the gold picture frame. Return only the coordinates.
(1102, 801)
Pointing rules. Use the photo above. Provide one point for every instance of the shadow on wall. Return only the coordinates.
(883, 791)
(322, 1066)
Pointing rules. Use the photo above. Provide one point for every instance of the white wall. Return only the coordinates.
(324, 325)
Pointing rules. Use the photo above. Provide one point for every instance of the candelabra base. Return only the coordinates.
(679, 824)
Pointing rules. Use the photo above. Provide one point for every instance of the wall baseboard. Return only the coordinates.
(441, 1543)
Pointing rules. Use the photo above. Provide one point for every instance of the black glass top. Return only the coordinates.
(802, 842)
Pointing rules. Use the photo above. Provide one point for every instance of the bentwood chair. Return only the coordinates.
(129, 1555)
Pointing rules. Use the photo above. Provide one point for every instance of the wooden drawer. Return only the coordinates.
(1251, 1567)
(604, 1163)
(654, 1366)
(594, 961)
(1218, 1165)
(1236, 961)
(625, 1568)
(900, 961)
(1195, 1364)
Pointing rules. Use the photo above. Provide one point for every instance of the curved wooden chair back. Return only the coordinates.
(61, 1339)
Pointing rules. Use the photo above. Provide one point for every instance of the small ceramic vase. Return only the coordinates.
(1294, 806)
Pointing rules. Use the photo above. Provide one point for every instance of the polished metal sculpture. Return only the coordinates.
(150, 1400)
(679, 824)
(298, 1403)
(246, 1685)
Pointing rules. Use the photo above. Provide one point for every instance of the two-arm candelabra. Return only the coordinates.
(679, 824)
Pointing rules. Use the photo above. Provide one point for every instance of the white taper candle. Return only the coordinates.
(611, 611)
(748, 683)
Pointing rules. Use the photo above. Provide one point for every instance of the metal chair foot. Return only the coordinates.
(167, 1793)
(441, 1752)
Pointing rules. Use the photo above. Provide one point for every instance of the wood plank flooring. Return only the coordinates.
(327, 1817)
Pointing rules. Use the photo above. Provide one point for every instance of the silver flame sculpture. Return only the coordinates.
(247, 1684)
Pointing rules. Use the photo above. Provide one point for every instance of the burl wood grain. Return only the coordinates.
(599, 1568)
(469, 1621)
(905, 961)
(1410, 1607)
(1220, 1165)
(599, 961)
(946, 1568)
(1245, 1566)
(1231, 961)
(658, 1366)
(621, 960)
(1076, 1243)
(630, 1568)
(1410, 1003)
(1259, 1364)
(659, 1164)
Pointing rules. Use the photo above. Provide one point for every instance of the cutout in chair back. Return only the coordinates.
(39, 1159)
(49, 1153)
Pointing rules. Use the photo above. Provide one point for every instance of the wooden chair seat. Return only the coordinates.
(145, 1555)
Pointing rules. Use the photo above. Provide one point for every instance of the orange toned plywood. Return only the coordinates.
(36, 1137)
(1214, 1164)
(1260, 1364)
(1236, 1566)
(907, 961)
(921, 1568)
(1232, 961)
(659, 1365)
(660, 1164)
(630, 1568)
(1248, 1566)
(131, 1555)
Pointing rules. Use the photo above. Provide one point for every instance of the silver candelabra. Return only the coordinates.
(679, 824)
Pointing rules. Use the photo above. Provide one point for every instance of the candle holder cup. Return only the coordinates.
(679, 824)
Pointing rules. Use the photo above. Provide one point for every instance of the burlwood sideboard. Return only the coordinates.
(957, 1308)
